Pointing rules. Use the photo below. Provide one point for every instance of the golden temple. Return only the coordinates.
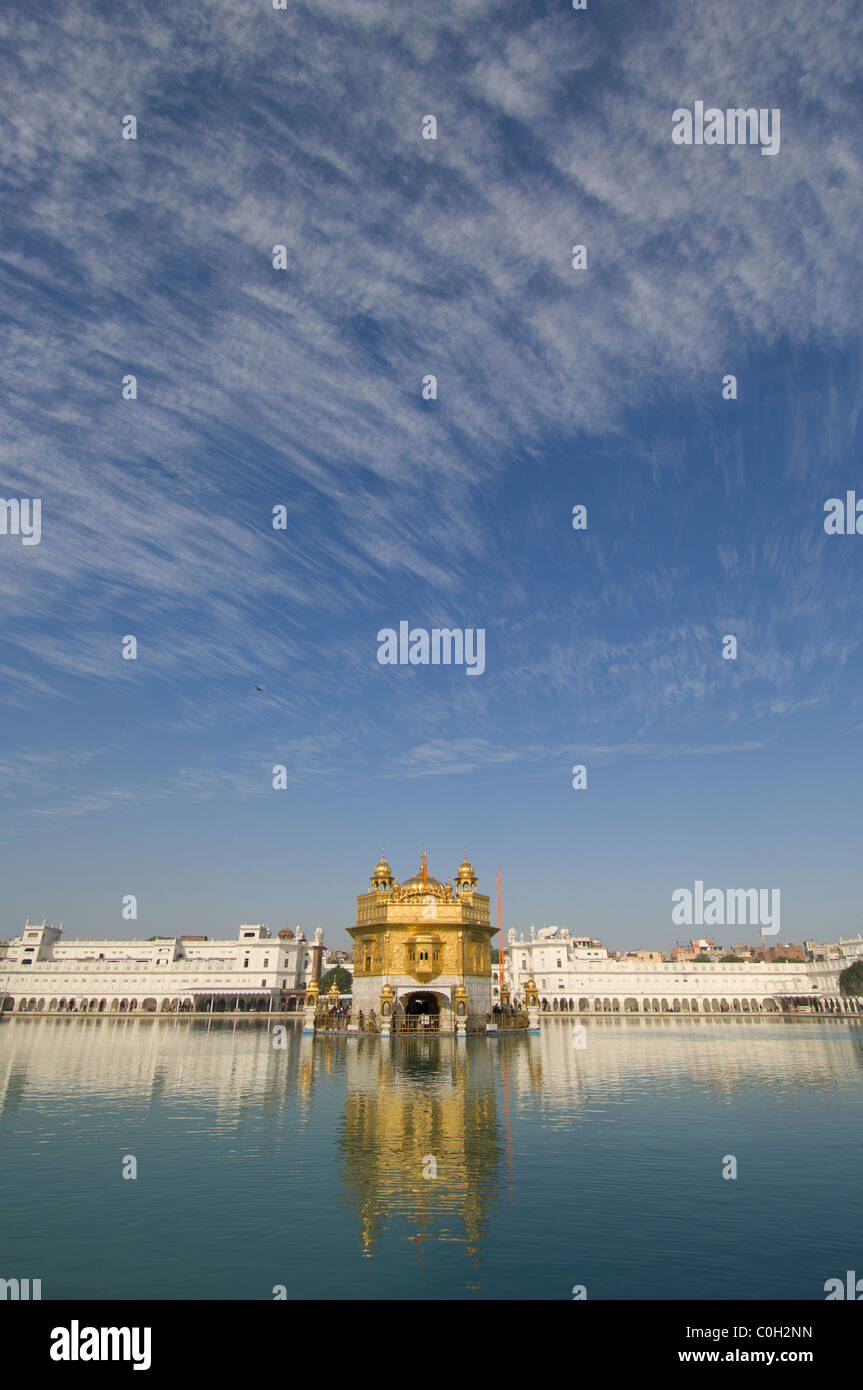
(422, 952)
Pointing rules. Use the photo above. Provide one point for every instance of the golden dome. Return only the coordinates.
(466, 869)
(382, 868)
(424, 885)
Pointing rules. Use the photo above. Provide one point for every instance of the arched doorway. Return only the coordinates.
(421, 1013)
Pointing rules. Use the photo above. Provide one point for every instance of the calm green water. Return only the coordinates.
(555, 1166)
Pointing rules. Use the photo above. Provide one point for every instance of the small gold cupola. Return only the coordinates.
(382, 875)
(465, 879)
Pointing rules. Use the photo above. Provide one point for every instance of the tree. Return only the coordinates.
(702, 959)
(731, 960)
(851, 978)
(337, 976)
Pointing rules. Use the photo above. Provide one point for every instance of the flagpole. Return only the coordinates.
(500, 940)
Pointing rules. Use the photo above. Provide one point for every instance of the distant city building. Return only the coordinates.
(342, 960)
(845, 949)
(788, 951)
(703, 946)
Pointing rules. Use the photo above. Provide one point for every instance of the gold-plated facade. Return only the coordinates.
(423, 935)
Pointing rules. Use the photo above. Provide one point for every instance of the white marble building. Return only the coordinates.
(41, 973)
(577, 975)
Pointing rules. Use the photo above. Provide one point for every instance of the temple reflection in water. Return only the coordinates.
(428, 1166)
(421, 1139)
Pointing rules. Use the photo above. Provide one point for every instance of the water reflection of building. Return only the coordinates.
(231, 1066)
(576, 1066)
(420, 1139)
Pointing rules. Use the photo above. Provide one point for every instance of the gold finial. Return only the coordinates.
(382, 870)
(466, 870)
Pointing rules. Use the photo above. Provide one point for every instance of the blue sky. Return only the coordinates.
(303, 388)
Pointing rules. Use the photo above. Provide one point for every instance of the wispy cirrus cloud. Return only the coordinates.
(406, 257)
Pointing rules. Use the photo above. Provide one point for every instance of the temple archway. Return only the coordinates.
(421, 1012)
